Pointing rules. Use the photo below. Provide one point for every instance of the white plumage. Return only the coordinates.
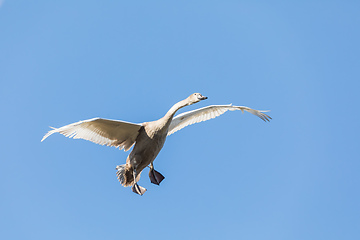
(101, 131)
(148, 137)
(206, 113)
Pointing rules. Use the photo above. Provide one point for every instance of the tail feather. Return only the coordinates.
(125, 175)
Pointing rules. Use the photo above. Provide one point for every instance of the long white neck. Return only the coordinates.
(165, 121)
(170, 114)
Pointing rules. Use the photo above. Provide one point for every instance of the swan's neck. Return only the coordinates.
(166, 120)
(170, 114)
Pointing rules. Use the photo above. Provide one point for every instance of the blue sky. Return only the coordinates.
(233, 177)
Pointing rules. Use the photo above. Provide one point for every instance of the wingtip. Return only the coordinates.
(266, 118)
(48, 133)
(44, 137)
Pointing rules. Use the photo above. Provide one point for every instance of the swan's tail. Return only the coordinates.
(125, 175)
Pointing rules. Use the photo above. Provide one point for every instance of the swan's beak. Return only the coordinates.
(203, 98)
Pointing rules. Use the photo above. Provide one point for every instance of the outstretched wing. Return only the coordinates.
(101, 131)
(206, 113)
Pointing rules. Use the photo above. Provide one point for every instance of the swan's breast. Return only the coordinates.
(147, 147)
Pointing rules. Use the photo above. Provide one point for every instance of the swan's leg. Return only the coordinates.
(136, 188)
(155, 176)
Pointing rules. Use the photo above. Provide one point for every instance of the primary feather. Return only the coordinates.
(206, 113)
(101, 131)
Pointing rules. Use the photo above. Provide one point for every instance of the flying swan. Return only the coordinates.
(148, 137)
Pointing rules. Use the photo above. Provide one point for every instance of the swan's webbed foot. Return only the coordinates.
(138, 189)
(155, 176)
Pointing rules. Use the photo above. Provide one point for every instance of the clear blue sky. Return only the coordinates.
(233, 177)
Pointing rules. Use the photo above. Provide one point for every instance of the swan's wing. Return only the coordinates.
(206, 113)
(101, 131)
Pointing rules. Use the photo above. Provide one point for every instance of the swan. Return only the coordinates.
(148, 137)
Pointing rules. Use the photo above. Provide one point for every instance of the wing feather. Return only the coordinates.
(107, 132)
(206, 113)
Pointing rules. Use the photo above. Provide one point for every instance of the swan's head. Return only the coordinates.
(195, 97)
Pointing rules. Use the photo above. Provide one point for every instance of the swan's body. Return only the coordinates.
(149, 137)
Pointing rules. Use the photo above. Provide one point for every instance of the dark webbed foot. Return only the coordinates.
(155, 176)
(138, 189)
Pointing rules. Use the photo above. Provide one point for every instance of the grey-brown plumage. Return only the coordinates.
(148, 137)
